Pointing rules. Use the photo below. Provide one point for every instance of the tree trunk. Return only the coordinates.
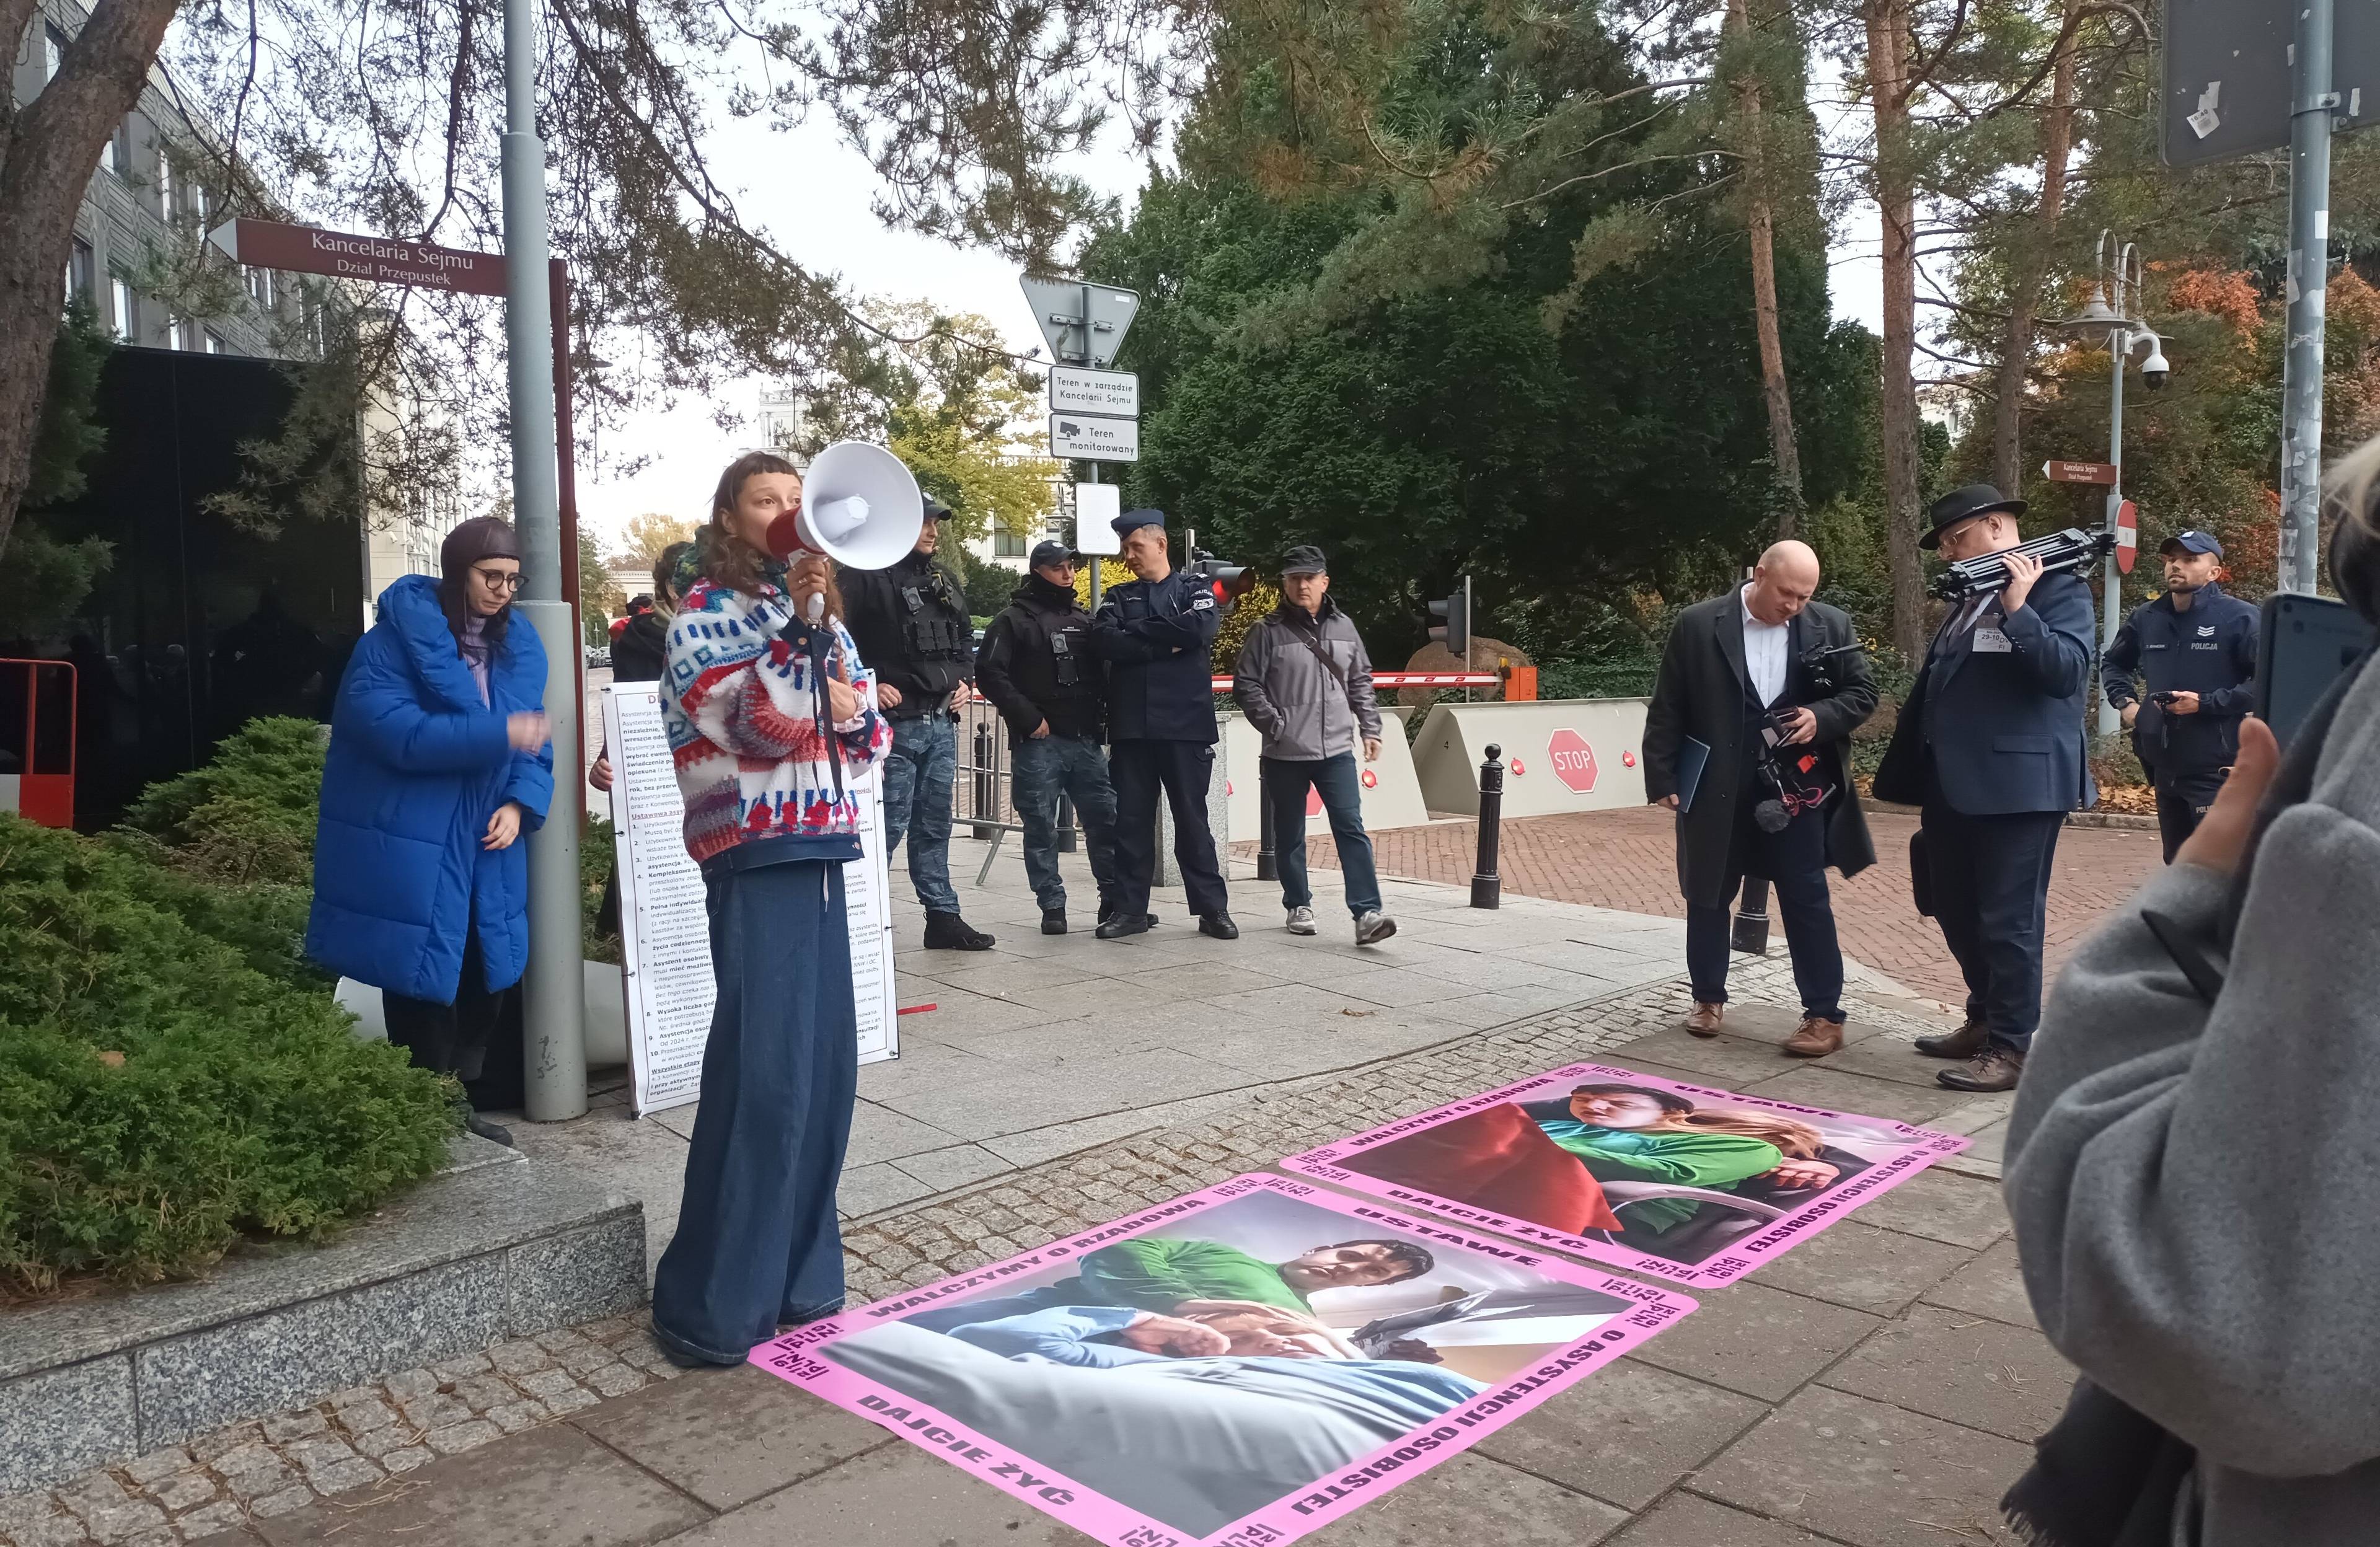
(2033, 264)
(1761, 222)
(48, 154)
(1895, 203)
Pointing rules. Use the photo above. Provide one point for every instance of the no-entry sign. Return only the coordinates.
(2128, 536)
(1574, 760)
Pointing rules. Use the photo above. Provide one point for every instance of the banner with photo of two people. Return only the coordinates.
(1240, 1365)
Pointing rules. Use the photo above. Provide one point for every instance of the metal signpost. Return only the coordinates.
(1094, 412)
(545, 512)
(2249, 75)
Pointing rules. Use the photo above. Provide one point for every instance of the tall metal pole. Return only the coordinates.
(2311, 104)
(554, 988)
(2111, 594)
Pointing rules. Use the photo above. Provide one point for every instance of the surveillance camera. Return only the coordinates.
(2156, 368)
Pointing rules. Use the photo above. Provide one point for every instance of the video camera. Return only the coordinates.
(1798, 780)
(2060, 551)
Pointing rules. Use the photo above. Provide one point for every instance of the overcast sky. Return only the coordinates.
(813, 192)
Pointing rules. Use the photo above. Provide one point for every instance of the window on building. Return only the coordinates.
(259, 288)
(1006, 544)
(215, 343)
(117, 156)
(180, 334)
(165, 184)
(80, 269)
(53, 52)
(125, 312)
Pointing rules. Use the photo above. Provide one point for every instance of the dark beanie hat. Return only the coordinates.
(479, 537)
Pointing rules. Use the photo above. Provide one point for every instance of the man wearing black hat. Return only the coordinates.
(1989, 745)
(1036, 666)
(1157, 635)
(911, 624)
(2192, 655)
(1304, 681)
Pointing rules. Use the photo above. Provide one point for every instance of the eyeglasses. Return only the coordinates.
(498, 580)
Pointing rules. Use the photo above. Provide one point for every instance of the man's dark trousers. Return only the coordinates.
(1795, 863)
(2183, 800)
(1284, 782)
(1182, 769)
(1989, 877)
(1046, 765)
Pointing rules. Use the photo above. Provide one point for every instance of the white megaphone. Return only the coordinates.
(859, 508)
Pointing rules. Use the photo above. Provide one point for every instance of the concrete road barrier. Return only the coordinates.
(1561, 755)
(1391, 791)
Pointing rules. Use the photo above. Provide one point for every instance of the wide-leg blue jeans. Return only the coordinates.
(756, 1241)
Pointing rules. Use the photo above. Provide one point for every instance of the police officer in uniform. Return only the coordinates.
(1157, 635)
(2183, 672)
(1037, 669)
(910, 622)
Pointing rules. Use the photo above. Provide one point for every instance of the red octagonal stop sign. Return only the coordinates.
(1574, 760)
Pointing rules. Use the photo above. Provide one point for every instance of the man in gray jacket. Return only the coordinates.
(1305, 682)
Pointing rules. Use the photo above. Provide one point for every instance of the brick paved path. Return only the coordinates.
(1627, 860)
(1875, 1388)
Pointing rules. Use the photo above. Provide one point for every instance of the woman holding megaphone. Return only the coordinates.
(770, 717)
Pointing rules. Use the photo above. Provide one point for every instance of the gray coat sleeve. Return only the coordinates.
(2193, 1187)
(1248, 673)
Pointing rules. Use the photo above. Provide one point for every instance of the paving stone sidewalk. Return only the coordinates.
(1627, 860)
(1877, 1387)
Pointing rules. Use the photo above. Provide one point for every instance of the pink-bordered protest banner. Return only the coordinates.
(1232, 1368)
(1692, 1184)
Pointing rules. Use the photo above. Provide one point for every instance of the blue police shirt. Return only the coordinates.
(1158, 639)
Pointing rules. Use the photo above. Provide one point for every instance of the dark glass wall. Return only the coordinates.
(198, 626)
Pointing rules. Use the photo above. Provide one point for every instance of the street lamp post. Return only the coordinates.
(554, 987)
(2114, 307)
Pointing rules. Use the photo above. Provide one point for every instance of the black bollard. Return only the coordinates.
(1751, 932)
(1066, 823)
(1487, 890)
(1268, 862)
(986, 783)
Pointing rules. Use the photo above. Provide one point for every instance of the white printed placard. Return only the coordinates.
(665, 924)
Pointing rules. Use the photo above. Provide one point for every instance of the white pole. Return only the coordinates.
(554, 989)
(2111, 603)
(2313, 101)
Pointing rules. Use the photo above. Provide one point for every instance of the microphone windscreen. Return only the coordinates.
(1771, 816)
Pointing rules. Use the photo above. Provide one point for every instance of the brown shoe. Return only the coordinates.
(1963, 1043)
(1815, 1038)
(1703, 1021)
(1994, 1068)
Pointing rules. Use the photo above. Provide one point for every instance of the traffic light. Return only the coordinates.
(1453, 626)
(1228, 582)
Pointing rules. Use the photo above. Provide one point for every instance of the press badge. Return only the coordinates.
(1991, 641)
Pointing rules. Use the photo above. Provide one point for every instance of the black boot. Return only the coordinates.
(1217, 924)
(948, 931)
(1118, 925)
(1053, 920)
(494, 1133)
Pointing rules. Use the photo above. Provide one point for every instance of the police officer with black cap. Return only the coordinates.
(1157, 635)
(2183, 672)
(911, 624)
(1037, 669)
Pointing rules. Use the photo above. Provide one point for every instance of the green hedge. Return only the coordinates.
(174, 1076)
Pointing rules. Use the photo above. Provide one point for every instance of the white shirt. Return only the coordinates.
(1766, 646)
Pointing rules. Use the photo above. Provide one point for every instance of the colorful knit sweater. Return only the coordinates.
(747, 730)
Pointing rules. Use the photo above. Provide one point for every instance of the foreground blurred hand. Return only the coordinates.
(2223, 837)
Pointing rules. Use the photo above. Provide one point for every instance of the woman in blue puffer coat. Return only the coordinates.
(438, 766)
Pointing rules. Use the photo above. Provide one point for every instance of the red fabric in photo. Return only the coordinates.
(1498, 1159)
